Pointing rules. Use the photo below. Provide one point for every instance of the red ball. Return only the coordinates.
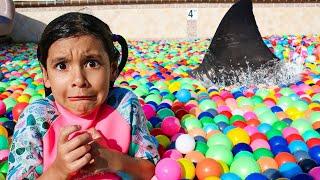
(284, 157)
(240, 124)
(208, 167)
(17, 110)
(258, 136)
(226, 113)
(293, 137)
(313, 142)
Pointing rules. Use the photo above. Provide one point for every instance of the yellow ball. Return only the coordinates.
(175, 86)
(3, 131)
(188, 171)
(211, 178)
(224, 166)
(163, 140)
(293, 113)
(23, 98)
(238, 135)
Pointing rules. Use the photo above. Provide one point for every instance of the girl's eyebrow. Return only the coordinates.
(58, 59)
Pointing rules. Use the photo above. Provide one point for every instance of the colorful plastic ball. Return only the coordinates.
(302, 125)
(17, 109)
(2, 108)
(314, 172)
(238, 135)
(183, 95)
(290, 169)
(264, 128)
(243, 166)
(267, 163)
(262, 152)
(284, 157)
(201, 147)
(297, 145)
(230, 176)
(9, 125)
(256, 176)
(280, 148)
(277, 140)
(307, 164)
(313, 142)
(3, 131)
(208, 167)
(170, 125)
(241, 147)
(272, 174)
(148, 111)
(259, 143)
(301, 155)
(314, 153)
(4, 144)
(219, 139)
(195, 156)
(163, 140)
(185, 143)
(167, 169)
(2, 177)
(188, 171)
(302, 176)
(173, 154)
(220, 152)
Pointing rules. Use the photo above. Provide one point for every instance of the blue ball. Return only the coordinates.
(302, 176)
(256, 176)
(154, 121)
(205, 114)
(210, 127)
(212, 111)
(314, 153)
(290, 169)
(307, 164)
(280, 148)
(272, 174)
(183, 95)
(276, 109)
(241, 147)
(278, 140)
(301, 155)
(9, 125)
(230, 176)
(298, 145)
(222, 125)
(200, 138)
(264, 128)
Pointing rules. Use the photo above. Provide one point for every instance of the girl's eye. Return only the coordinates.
(93, 64)
(61, 66)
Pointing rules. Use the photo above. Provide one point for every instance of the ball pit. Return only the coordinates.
(253, 132)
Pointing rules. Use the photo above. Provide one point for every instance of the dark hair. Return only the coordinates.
(77, 24)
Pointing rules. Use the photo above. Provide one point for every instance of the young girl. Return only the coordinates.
(84, 129)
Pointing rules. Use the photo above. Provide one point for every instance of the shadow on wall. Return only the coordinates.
(26, 29)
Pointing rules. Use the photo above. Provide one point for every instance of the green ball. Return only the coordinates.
(3, 119)
(4, 167)
(4, 144)
(285, 101)
(262, 152)
(170, 97)
(192, 123)
(244, 166)
(219, 139)
(279, 125)
(10, 103)
(302, 125)
(153, 97)
(243, 154)
(220, 152)
(286, 91)
(2, 177)
(207, 104)
(268, 117)
(301, 105)
(165, 112)
(201, 147)
(236, 118)
(316, 97)
(245, 102)
(258, 110)
(315, 117)
(256, 100)
(308, 134)
(263, 93)
(206, 120)
(273, 132)
(221, 118)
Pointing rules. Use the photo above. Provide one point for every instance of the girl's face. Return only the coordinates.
(78, 73)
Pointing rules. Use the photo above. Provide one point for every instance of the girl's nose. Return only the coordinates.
(79, 79)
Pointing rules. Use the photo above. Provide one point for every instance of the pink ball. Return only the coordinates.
(251, 130)
(223, 108)
(288, 131)
(4, 154)
(167, 169)
(250, 115)
(170, 125)
(2, 108)
(148, 111)
(173, 154)
(259, 143)
(314, 172)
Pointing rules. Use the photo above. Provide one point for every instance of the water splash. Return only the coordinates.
(274, 73)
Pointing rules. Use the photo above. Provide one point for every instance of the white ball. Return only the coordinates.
(185, 143)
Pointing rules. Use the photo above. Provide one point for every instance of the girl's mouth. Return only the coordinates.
(82, 98)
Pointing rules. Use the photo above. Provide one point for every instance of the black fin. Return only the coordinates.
(236, 45)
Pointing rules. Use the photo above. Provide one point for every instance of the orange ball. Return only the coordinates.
(284, 157)
(267, 163)
(208, 167)
(195, 156)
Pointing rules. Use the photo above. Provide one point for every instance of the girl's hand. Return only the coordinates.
(72, 154)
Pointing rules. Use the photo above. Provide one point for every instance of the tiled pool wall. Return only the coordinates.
(171, 20)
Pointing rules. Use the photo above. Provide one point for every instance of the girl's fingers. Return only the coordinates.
(66, 131)
(84, 160)
(78, 153)
(77, 141)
